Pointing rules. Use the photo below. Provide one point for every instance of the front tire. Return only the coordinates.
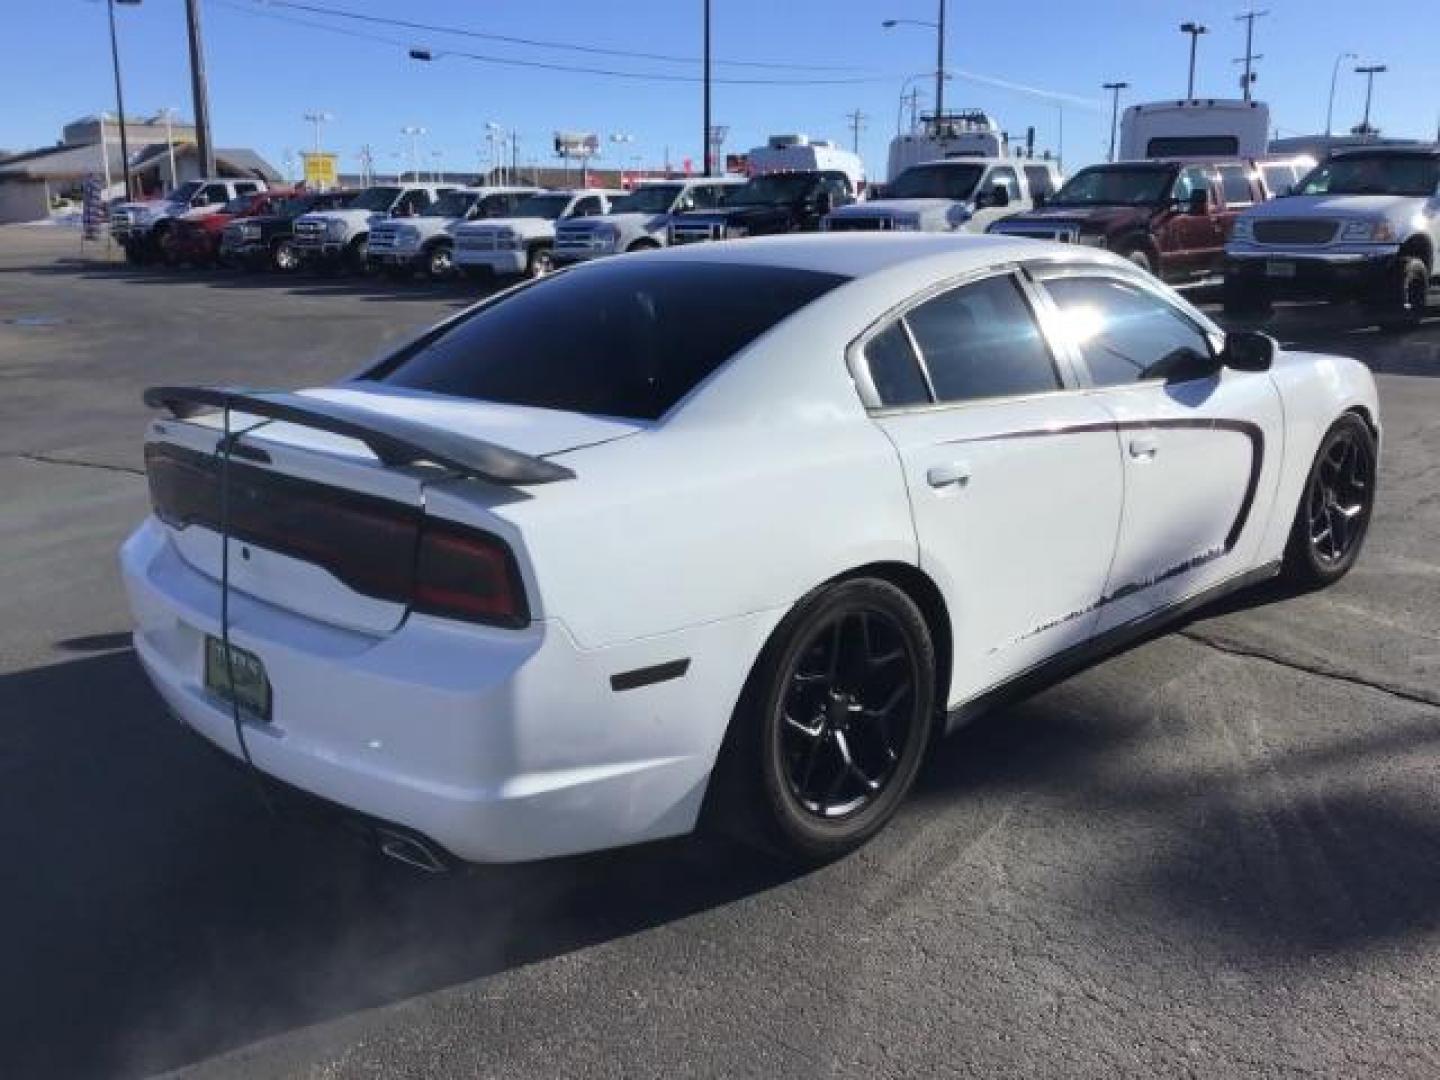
(284, 258)
(440, 262)
(833, 725)
(539, 263)
(1400, 302)
(1333, 517)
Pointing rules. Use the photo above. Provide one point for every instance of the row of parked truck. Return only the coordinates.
(1365, 224)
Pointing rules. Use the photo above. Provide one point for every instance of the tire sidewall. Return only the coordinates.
(1301, 563)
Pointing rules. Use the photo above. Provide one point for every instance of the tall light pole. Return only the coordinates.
(317, 120)
(705, 127)
(939, 27)
(119, 96)
(1114, 88)
(1369, 71)
(168, 115)
(1249, 19)
(1334, 74)
(414, 133)
(199, 88)
(1194, 29)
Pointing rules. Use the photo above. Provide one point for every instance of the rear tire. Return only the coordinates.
(283, 257)
(832, 726)
(1333, 517)
(440, 262)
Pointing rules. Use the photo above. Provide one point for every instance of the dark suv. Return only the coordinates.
(769, 204)
(267, 241)
(1169, 217)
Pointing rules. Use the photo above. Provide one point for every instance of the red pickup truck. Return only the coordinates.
(196, 240)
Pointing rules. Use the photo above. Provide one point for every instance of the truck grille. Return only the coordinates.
(859, 224)
(309, 233)
(1064, 234)
(577, 241)
(1296, 230)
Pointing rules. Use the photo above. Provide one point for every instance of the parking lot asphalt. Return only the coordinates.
(1215, 854)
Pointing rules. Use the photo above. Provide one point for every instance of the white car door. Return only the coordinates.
(1201, 444)
(1014, 473)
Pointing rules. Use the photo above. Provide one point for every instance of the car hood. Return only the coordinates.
(353, 217)
(1089, 218)
(1333, 206)
(425, 226)
(519, 226)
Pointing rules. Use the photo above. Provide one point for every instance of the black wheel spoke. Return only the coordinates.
(1338, 498)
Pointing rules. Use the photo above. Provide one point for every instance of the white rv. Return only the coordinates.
(969, 133)
(800, 153)
(1196, 128)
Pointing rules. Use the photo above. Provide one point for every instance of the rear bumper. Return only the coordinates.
(498, 745)
(1307, 272)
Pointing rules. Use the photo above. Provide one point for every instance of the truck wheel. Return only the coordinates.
(283, 256)
(540, 263)
(1242, 299)
(643, 245)
(440, 262)
(1400, 300)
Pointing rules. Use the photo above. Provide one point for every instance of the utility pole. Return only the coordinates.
(940, 62)
(169, 115)
(317, 119)
(200, 89)
(1194, 29)
(1335, 74)
(1369, 71)
(367, 166)
(857, 124)
(1114, 88)
(1249, 19)
(705, 130)
(119, 104)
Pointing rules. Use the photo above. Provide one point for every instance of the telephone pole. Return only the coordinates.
(1249, 19)
(1114, 88)
(857, 121)
(705, 130)
(200, 89)
(119, 108)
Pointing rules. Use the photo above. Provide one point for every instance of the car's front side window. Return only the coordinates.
(1127, 334)
(981, 341)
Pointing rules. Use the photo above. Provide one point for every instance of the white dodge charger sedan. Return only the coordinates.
(720, 534)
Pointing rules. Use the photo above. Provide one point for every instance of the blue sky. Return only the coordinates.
(266, 72)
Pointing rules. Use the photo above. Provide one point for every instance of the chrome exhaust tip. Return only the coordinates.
(411, 851)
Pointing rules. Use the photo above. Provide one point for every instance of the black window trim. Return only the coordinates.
(1041, 273)
(1061, 358)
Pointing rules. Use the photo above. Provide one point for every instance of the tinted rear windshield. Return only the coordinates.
(613, 340)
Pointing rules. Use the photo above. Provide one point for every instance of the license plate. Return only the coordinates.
(251, 689)
(1279, 269)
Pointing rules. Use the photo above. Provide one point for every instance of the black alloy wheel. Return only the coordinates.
(833, 726)
(284, 257)
(1335, 509)
(440, 262)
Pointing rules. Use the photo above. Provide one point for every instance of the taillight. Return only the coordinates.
(463, 573)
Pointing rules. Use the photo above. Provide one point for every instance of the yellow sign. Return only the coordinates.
(320, 170)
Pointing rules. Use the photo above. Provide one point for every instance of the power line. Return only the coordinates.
(461, 31)
(262, 10)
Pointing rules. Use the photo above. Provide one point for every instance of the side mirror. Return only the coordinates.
(999, 195)
(1248, 350)
(1199, 203)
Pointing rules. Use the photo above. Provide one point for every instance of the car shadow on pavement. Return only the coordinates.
(158, 916)
(1344, 329)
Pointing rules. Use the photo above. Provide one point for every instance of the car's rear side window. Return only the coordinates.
(618, 339)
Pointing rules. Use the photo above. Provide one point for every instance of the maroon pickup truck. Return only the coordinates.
(1169, 217)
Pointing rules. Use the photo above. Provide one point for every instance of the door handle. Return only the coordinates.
(951, 474)
(1143, 447)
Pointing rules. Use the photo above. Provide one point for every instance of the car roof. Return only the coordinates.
(857, 255)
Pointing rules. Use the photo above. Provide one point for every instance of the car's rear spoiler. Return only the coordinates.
(392, 439)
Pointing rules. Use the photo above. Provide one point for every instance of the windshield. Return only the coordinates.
(185, 192)
(1374, 174)
(241, 204)
(549, 207)
(647, 200)
(1115, 187)
(450, 205)
(772, 190)
(936, 182)
(376, 198)
(1278, 178)
(624, 340)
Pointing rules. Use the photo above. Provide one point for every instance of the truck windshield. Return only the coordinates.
(776, 189)
(936, 182)
(376, 198)
(450, 205)
(624, 339)
(185, 192)
(1108, 186)
(656, 199)
(241, 204)
(549, 207)
(1374, 174)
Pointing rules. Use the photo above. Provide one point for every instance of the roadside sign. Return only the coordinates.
(321, 170)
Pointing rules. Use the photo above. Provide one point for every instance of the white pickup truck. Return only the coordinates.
(637, 221)
(524, 242)
(426, 242)
(952, 195)
(342, 236)
(140, 226)
(1364, 225)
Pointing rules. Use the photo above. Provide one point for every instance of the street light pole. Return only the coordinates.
(1114, 88)
(1194, 30)
(1335, 74)
(705, 130)
(414, 133)
(940, 62)
(119, 98)
(199, 88)
(1369, 71)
